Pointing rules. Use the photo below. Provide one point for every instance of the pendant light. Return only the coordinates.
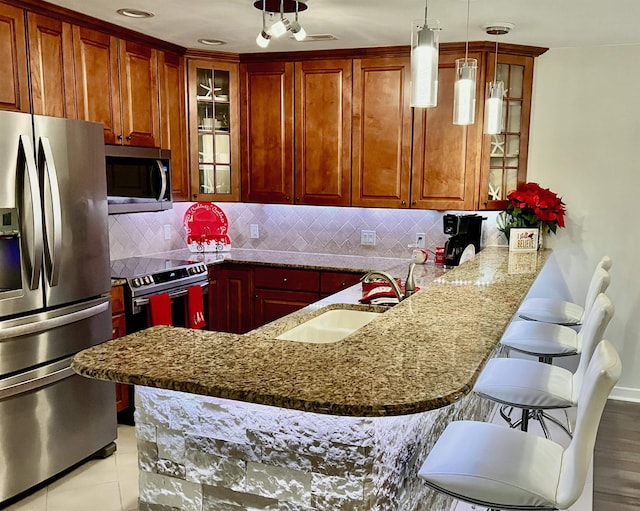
(424, 63)
(263, 37)
(464, 94)
(493, 105)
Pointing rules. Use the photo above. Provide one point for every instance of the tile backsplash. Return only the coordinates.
(315, 229)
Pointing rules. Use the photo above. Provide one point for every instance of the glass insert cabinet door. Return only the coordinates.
(213, 108)
(505, 166)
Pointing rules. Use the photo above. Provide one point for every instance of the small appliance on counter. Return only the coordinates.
(463, 230)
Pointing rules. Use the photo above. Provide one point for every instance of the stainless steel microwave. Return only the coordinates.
(138, 179)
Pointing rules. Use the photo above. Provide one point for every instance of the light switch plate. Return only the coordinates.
(255, 232)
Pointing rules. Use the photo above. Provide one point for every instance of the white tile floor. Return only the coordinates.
(109, 484)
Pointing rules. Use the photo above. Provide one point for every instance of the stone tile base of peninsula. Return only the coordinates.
(199, 453)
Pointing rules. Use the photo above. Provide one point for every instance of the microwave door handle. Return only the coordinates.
(163, 180)
(36, 210)
(53, 253)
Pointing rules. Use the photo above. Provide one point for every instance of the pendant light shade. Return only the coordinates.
(464, 94)
(424, 65)
(493, 105)
(493, 118)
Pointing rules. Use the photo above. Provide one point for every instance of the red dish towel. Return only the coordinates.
(160, 306)
(196, 307)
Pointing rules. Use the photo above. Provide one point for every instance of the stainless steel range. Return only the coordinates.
(147, 276)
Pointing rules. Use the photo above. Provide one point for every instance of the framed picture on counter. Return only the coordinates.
(523, 239)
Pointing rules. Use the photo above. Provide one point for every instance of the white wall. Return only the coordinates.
(585, 145)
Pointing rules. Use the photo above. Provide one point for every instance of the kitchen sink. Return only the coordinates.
(330, 326)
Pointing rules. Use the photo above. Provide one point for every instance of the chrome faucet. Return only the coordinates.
(409, 286)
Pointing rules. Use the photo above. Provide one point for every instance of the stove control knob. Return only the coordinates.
(148, 279)
(136, 282)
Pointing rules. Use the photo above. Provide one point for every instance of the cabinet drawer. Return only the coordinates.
(286, 278)
(117, 299)
(332, 282)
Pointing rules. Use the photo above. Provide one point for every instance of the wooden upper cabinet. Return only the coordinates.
(381, 151)
(267, 132)
(97, 88)
(139, 92)
(446, 157)
(14, 85)
(323, 132)
(120, 91)
(173, 120)
(214, 129)
(51, 64)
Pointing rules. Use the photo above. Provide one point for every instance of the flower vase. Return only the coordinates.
(541, 237)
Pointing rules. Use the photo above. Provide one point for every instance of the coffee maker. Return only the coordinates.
(464, 230)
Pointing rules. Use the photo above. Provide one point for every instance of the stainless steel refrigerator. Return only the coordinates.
(54, 297)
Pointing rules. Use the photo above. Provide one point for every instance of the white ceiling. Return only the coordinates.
(366, 23)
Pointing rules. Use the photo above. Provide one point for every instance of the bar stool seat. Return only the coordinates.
(531, 385)
(499, 468)
(562, 312)
(541, 339)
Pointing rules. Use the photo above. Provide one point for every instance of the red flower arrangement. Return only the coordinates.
(532, 206)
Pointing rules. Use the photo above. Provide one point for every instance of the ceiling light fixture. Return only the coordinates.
(493, 105)
(464, 93)
(283, 25)
(296, 29)
(263, 37)
(134, 13)
(211, 42)
(424, 63)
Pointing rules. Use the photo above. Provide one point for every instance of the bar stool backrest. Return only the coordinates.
(602, 374)
(590, 335)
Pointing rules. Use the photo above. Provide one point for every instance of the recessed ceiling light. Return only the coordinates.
(211, 42)
(134, 13)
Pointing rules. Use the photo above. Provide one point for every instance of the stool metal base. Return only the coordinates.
(539, 415)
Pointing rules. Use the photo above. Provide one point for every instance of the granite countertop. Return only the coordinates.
(424, 353)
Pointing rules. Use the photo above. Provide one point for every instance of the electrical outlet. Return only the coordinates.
(368, 238)
(167, 232)
(421, 240)
(255, 232)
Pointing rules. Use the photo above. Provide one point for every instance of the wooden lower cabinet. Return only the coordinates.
(118, 329)
(244, 297)
(230, 290)
(272, 304)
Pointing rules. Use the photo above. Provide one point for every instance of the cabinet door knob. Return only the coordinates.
(129, 138)
(404, 202)
(119, 137)
(413, 203)
(287, 198)
(297, 199)
(284, 280)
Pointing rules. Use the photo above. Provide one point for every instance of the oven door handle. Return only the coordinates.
(139, 302)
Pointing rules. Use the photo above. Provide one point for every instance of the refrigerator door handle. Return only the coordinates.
(163, 180)
(38, 382)
(36, 210)
(52, 253)
(49, 324)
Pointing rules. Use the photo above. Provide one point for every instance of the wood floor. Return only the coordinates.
(616, 468)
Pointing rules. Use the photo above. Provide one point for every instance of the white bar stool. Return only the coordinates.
(501, 468)
(561, 312)
(534, 386)
(547, 340)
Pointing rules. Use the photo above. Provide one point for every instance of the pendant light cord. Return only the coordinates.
(495, 70)
(466, 46)
(426, 6)
(264, 21)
